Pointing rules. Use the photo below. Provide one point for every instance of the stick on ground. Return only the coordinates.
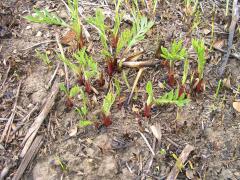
(183, 157)
(40, 118)
(31, 153)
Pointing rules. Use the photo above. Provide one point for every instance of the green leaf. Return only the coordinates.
(43, 57)
(140, 27)
(117, 86)
(85, 123)
(172, 98)
(199, 47)
(74, 91)
(185, 71)
(175, 53)
(107, 103)
(125, 37)
(149, 91)
(63, 88)
(46, 18)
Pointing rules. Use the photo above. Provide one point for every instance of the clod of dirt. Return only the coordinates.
(43, 170)
(108, 167)
(34, 86)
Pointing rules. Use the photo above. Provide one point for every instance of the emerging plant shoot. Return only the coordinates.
(106, 108)
(172, 97)
(148, 105)
(176, 53)
(70, 94)
(199, 48)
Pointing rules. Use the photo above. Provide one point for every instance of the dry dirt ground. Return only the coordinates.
(119, 151)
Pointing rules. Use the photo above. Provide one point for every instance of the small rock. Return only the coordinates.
(28, 27)
(39, 34)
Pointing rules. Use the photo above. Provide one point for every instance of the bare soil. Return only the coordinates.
(209, 124)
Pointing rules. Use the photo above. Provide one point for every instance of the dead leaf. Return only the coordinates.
(73, 131)
(206, 31)
(68, 37)
(156, 130)
(227, 82)
(219, 44)
(236, 106)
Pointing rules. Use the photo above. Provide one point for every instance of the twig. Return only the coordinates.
(172, 142)
(135, 84)
(65, 66)
(5, 79)
(31, 153)
(19, 125)
(28, 139)
(53, 77)
(140, 64)
(182, 158)
(235, 17)
(146, 141)
(38, 44)
(151, 160)
(6, 169)
(7, 128)
(235, 55)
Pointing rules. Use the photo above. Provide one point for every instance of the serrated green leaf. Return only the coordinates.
(85, 123)
(107, 103)
(149, 91)
(74, 91)
(63, 88)
(46, 18)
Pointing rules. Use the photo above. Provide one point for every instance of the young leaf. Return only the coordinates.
(63, 88)
(117, 86)
(172, 98)
(43, 57)
(107, 103)
(185, 71)
(140, 27)
(75, 20)
(176, 52)
(74, 91)
(85, 123)
(199, 48)
(149, 91)
(45, 17)
(98, 23)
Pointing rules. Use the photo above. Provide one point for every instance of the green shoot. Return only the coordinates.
(60, 163)
(107, 103)
(141, 26)
(98, 23)
(185, 71)
(88, 66)
(45, 17)
(218, 89)
(148, 105)
(125, 78)
(85, 123)
(149, 91)
(176, 52)
(75, 20)
(172, 98)
(199, 48)
(179, 162)
(43, 57)
(70, 93)
(117, 87)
